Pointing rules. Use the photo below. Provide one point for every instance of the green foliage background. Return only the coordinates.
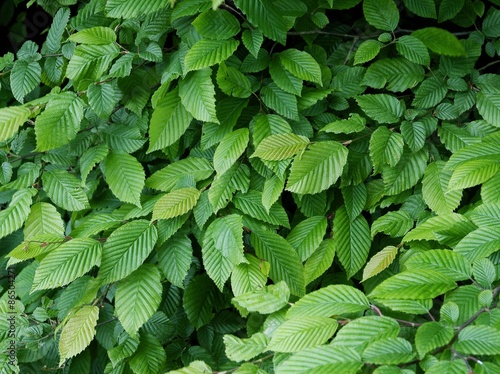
(252, 186)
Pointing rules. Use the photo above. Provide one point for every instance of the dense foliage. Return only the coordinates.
(252, 186)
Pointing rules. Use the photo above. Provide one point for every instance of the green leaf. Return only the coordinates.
(245, 349)
(102, 99)
(248, 276)
(282, 102)
(395, 224)
(422, 8)
(355, 123)
(317, 168)
(169, 121)
(440, 41)
(472, 173)
(232, 82)
(383, 108)
(395, 74)
(126, 249)
(11, 119)
(414, 285)
(478, 340)
(330, 301)
(43, 219)
(216, 24)
(66, 263)
(479, 243)
(90, 158)
(267, 17)
(174, 259)
(432, 335)
(413, 49)
(91, 61)
(197, 366)
(284, 79)
(122, 66)
(126, 9)
(59, 122)
(223, 187)
(367, 51)
(430, 93)
(230, 149)
(149, 357)
(450, 264)
(386, 147)
(265, 300)
(176, 203)
(137, 297)
(280, 146)
(488, 106)
(57, 29)
(223, 248)
(320, 261)
(388, 351)
(206, 52)
(304, 332)
(352, 240)
(251, 204)
(414, 134)
(125, 176)
(65, 190)
(252, 40)
(197, 94)
(406, 173)
(307, 236)
(449, 9)
(97, 35)
(486, 150)
(301, 64)
(449, 367)
(491, 23)
(431, 228)
(379, 262)
(198, 300)
(382, 14)
(78, 332)
(13, 217)
(435, 189)
(271, 192)
(285, 263)
(24, 77)
(364, 330)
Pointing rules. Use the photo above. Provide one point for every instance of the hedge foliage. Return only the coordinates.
(252, 186)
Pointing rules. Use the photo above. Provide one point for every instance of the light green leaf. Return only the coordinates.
(65, 190)
(388, 351)
(216, 24)
(352, 240)
(413, 49)
(248, 276)
(406, 173)
(449, 367)
(432, 228)
(395, 224)
(96, 35)
(450, 264)
(367, 51)
(57, 29)
(43, 219)
(232, 82)
(265, 300)
(197, 366)
(382, 108)
(174, 259)
(478, 340)
(414, 285)
(13, 217)
(122, 66)
(169, 121)
(330, 301)
(432, 335)
(137, 297)
(440, 41)
(245, 349)
(102, 99)
(355, 123)
(125, 176)
(78, 332)
(487, 149)
(223, 187)
(285, 263)
(149, 357)
(386, 147)
(24, 77)
(280, 146)
(284, 79)
(435, 189)
(11, 118)
(223, 248)
(59, 122)
(91, 61)
(301, 64)
(90, 158)
(251, 204)
(320, 261)
(304, 332)
(252, 40)
(379, 262)
(479, 243)
(361, 331)
(414, 134)
(395, 74)
(206, 52)
(472, 173)
(197, 94)
(317, 168)
(176, 203)
(66, 263)
(267, 17)
(282, 102)
(382, 14)
(322, 359)
(271, 192)
(126, 249)
(198, 300)
(126, 9)
(230, 149)
(307, 236)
